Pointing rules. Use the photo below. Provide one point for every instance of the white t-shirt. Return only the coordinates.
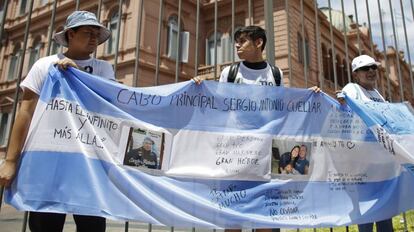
(250, 76)
(358, 92)
(38, 73)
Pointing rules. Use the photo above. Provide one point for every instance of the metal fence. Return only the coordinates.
(313, 42)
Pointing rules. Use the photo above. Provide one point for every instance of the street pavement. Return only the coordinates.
(11, 220)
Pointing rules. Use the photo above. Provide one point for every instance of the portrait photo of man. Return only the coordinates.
(143, 150)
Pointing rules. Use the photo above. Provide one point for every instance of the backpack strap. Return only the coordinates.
(234, 68)
(276, 74)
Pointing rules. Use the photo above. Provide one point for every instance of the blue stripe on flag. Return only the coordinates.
(70, 182)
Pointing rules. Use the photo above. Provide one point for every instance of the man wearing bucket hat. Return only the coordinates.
(364, 70)
(81, 35)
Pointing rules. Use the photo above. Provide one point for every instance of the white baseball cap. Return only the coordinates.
(363, 60)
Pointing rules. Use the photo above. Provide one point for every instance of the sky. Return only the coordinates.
(386, 21)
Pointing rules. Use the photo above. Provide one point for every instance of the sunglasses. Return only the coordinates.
(366, 68)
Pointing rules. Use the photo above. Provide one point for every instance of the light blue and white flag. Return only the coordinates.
(223, 146)
(392, 125)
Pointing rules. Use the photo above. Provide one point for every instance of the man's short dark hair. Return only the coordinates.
(253, 33)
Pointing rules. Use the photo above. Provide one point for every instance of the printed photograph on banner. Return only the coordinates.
(290, 157)
(144, 149)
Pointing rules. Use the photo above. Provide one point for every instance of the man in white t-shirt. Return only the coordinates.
(81, 35)
(250, 43)
(364, 70)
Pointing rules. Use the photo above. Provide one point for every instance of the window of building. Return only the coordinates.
(345, 76)
(172, 38)
(302, 54)
(4, 128)
(339, 71)
(331, 67)
(43, 2)
(325, 62)
(23, 7)
(14, 61)
(210, 49)
(2, 9)
(113, 26)
(35, 52)
(227, 48)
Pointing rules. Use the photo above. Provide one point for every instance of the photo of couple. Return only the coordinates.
(290, 158)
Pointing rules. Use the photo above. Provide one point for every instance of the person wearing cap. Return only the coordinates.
(81, 35)
(364, 71)
(143, 156)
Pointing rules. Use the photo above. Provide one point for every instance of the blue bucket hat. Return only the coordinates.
(81, 18)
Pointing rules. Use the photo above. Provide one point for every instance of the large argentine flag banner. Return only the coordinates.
(230, 156)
